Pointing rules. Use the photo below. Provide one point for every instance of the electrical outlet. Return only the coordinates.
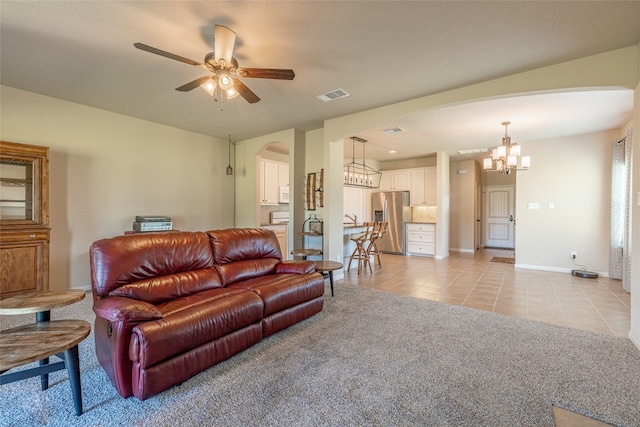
(574, 254)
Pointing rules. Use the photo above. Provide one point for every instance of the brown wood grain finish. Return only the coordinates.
(36, 302)
(24, 242)
(30, 343)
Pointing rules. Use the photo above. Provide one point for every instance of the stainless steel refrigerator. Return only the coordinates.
(392, 206)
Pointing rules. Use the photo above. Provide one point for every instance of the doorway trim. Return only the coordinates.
(498, 216)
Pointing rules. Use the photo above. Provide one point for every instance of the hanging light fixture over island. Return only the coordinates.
(359, 174)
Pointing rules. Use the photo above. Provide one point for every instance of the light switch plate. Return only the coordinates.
(534, 205)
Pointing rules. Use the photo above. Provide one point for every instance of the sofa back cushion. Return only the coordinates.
(165, 288)
(244, 253)
(143, 259)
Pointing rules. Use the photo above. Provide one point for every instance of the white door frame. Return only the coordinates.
(499, 216)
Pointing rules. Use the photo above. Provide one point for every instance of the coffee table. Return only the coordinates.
(328, 267)
(45, 338)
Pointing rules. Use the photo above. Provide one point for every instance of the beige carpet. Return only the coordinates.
(503, 260)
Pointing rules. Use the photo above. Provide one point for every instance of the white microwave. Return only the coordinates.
(283, 195)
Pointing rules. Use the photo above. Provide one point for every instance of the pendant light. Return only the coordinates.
(229, 168)
(507, 156)
(359, 174)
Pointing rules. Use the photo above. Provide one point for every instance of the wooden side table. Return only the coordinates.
(304, 253)
(327, 267)
(45, 338)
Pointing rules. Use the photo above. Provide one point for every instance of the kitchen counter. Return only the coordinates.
(351, 225)
(420, 222)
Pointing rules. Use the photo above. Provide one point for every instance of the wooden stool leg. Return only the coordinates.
(72, 362)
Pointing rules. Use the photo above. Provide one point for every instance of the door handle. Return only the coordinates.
(510, 218)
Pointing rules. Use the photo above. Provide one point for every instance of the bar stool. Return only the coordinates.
(360, 252)
(379, 230)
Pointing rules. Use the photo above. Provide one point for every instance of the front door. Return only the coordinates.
(499, 216)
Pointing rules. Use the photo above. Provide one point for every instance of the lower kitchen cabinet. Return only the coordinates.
(421, 239)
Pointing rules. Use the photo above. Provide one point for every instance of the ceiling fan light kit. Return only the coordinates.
(506, 156)
(224, 67)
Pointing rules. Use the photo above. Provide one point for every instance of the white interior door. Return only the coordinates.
(499, 216)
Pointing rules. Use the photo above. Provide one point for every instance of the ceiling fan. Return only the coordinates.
(224, 67)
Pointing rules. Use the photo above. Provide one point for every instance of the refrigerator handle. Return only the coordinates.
(385, 212)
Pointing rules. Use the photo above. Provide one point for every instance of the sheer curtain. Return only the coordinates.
(620, 247)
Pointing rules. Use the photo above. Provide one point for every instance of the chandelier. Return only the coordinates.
(507, 156)
(359, 174)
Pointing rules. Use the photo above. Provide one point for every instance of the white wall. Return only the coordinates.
(574, 174)
(105, 168)
(462, 206)
(634, 333)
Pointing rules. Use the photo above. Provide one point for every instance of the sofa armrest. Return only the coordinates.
(121, 309)
(296, 267)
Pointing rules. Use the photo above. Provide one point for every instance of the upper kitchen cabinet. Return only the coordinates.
(431, 186)
(273, 175)
(423, 186)
(24, 218)
(396, 180)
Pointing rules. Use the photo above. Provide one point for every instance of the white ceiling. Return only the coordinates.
(82, 51)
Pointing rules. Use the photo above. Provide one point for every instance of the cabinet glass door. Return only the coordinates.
(16, 190)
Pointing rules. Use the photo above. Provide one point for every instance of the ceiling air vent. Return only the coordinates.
(332, 95)
(473, 151)
(391, 131)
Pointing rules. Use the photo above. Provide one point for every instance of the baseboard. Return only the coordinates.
(468, 251)
(635, 339)
(553, 269)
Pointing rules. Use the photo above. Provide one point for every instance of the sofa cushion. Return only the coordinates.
(238, 244)
(121, 260)
(164, 288)
(243, 270)
(281, 291)
(192, 321)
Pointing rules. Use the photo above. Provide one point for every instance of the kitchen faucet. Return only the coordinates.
(354, 218)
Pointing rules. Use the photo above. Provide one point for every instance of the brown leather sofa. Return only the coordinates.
(170, 305)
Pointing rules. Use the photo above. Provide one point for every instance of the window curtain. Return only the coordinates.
(620, 247)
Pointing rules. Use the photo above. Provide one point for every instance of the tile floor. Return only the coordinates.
(472, 280)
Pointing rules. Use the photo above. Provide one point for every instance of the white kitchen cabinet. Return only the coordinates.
(423, 186)
(431, 186)
(418, 187)
(270, 173)
(283, 175)
(421, 239)
(354, 203)
(396, 180)
(281, 234)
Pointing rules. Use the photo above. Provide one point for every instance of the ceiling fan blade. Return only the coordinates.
(266, 73)
(193, 84)
(223, 42)
(245, 92)
(169, 55)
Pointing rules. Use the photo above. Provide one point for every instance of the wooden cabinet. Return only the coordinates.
(395, 180)
(421, 239)
(24, 218)
(423, 186)
(273, 175)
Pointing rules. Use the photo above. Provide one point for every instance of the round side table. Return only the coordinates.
(328, 267)
(45, 338)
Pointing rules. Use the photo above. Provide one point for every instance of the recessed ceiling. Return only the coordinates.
(379, 52)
